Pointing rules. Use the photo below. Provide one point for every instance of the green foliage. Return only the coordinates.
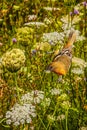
(31, 98)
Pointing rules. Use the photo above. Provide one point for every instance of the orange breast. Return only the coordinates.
(58, 68)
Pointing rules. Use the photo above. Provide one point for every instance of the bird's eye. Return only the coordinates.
(50, 67)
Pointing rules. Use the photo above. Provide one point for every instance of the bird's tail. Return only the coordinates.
(71, 39)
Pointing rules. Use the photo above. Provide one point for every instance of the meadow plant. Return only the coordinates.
(53, 38)
(32, 17)
(55, 91)
(24, 36)
(35, 24)
(51, 9)
(45, 103)
(20, 114)
(13, 60)
(78, 65)
(14, 40)
(26, 111)
(34, 97)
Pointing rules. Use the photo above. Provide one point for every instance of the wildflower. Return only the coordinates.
(71, 13)
(23, 113)
(47, 21)
(14, 40)
(63, 97)
(77, 71)
(76, 11)
(33, 52)
(52, 38)
(33, 97)
(38, 96)
(34, 24)
(67, 24)
(61, 117)
(84, 3)
(78, 36)
(78, 62)
(32, 17)
(20, 114)
(65, 104)
(46, 102)
(51, 118)
(8, 122)
(55, 91)
(51, 9)
(13, 60)
(45, 46)
(51, 42)
(24, 35)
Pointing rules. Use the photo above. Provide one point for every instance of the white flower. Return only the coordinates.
(8, 121)
(77, 71)
(51, 8)
(78, 62)
(22, 121)
(28, 120)
(61, 117)
(55, 91)
(32, 17)
(16, 123)
(33, 97)
(20, 114)
(33, 24)
(52, 37)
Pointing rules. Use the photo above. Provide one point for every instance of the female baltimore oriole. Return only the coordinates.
(62, 61)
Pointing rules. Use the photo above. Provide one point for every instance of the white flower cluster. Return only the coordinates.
(32, 17)
(24, 112)
(33, 97)
(79, 62)
(55, 91)
(35, 24)
(51, 9)
(20, 114)
(61, 117)
(68, 26)
(78, 65)
(67, 20)
(53, 37)
(77, 71)
(79, 37)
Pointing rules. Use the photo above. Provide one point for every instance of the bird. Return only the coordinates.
(62, 61)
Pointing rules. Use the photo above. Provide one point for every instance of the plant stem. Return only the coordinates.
(66, 114)
(17, 90)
